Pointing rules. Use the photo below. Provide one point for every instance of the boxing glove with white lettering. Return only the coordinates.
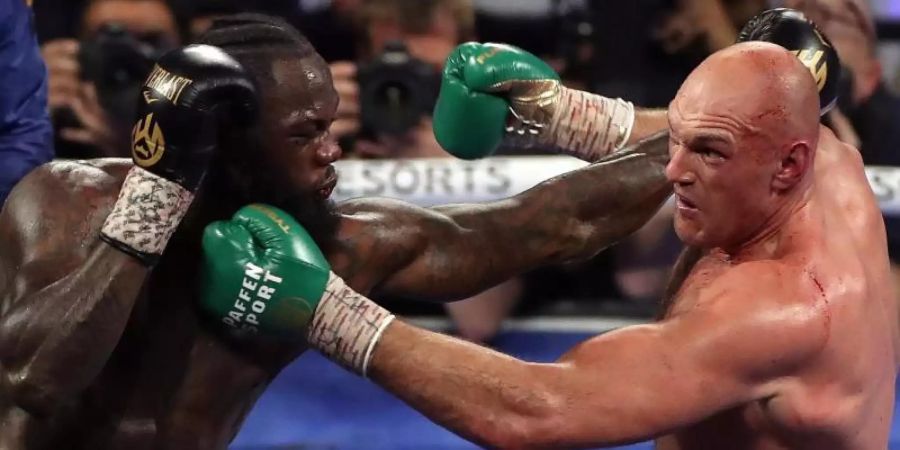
(263, 273)
(265, 277)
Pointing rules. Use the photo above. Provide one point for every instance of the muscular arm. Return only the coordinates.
(451, 252)
(628, 385)
(65, 307)
(648, 122)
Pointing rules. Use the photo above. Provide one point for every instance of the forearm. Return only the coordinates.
(485, 396)
(478, 393)
(567, 218)
(586, 399)
(608, 200)
(648, 122)
(55, 341)
(465, 249)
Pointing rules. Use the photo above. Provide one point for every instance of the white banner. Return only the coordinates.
(445, 180)
(440, 181)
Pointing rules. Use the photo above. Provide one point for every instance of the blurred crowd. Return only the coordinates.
(98, 52)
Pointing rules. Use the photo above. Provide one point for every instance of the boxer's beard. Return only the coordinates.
(245, 180)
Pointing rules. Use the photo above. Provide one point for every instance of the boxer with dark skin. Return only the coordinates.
(782, 332)
(100, 350)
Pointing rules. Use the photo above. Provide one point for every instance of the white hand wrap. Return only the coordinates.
(346, 326)
(147, 212)
(589, 126)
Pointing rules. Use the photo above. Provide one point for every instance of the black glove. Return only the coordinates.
(191, 94)
(792, 30)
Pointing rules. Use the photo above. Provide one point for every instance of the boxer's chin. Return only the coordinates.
(688, 231)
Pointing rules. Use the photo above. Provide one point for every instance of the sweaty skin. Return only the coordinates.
(782, 334)
(99, 352)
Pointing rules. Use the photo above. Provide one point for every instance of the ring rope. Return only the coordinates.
(437, 181)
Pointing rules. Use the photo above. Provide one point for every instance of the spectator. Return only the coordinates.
(93, 106)
(25, 131)
(430, 29)
(869, 103)
(196, 16)
(199, 15)
(329, 26)
(713, 24)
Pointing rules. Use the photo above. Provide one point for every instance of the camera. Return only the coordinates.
(395, 91)
(117, 62)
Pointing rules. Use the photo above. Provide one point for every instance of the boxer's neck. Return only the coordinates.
(768, 241)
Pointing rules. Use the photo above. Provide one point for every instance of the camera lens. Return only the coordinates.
(394, 106)
(396, 90)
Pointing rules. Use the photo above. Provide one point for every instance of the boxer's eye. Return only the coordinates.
(711, 154)
(299, 140)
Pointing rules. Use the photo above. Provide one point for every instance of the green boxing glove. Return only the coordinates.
(484, 84)
(263, 273)
(470, 117)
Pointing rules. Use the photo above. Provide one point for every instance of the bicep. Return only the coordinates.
(646, 386)
(644, 381)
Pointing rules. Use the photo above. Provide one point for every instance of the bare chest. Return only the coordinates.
(706, 270)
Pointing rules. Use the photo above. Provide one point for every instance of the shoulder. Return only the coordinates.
(61, 198)
(832, 153)
(776, 301)
(767, 283)
(755, 321)
(65, 185)
(74, 177)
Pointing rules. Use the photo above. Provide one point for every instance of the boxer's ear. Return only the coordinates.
(792, 166)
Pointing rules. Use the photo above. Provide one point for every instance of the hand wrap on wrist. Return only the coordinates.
(346, 326)
(146, 214)
(584, 125)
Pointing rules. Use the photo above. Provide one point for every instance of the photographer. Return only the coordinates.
(429, 30)
(94, 81)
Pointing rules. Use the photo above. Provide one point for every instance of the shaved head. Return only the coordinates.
(760, 87)
(744, 126)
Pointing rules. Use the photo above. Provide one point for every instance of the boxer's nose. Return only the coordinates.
(677, 170)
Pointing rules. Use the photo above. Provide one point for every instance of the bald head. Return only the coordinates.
(744, 129)
(762, 87)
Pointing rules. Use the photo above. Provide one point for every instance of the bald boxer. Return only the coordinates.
(101, 342)
(782, 336)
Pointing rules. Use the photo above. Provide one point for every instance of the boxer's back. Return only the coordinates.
(845, 397)
(855, 376)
